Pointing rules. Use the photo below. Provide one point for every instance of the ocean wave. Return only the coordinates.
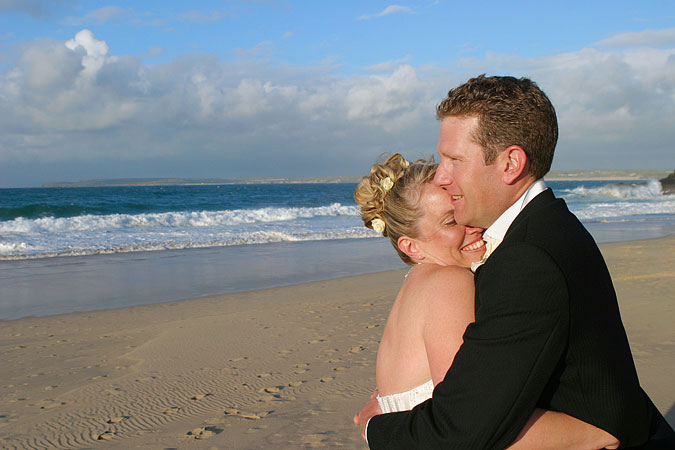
(172, 220)
(22, 250)
(616, 191)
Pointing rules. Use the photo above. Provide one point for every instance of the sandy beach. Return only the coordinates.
(279, 368)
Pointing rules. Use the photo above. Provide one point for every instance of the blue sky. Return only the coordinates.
(92, 89)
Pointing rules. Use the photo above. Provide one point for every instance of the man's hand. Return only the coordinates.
(371, 409)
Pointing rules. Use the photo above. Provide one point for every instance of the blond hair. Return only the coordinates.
(399, 206)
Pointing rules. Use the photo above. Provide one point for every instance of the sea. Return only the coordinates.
(72, 249)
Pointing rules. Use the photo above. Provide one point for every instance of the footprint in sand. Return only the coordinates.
(272, 389)
(215, 421)
(117, 419)
(264, 375)
(172, 410)
(339, 368)
(200, 396)
(105, 436)
(49, 404)
(203, 432)
(296, 383)
(145, 378)
(326, 379)
(356, 349)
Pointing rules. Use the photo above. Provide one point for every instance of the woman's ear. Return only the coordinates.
(407, 245)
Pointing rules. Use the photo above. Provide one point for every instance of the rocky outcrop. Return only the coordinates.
(668, 184)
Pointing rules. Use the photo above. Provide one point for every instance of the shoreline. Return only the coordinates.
(284, 367)
(554, 175)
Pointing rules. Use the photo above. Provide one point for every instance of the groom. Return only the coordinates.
(548, 333)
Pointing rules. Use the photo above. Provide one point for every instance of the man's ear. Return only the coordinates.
(516, 164)
(407, 245)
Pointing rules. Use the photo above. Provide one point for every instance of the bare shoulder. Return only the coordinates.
(436, 283)
(433, 275)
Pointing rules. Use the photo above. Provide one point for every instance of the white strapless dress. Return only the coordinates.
(404, 401)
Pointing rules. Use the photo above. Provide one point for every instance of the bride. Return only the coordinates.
(436, 301)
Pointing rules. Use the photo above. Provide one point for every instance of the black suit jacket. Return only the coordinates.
(547, 334)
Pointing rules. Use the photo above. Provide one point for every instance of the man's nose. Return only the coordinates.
(474, 230)
(442, 177)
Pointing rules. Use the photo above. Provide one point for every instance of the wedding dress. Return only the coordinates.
(404, 401)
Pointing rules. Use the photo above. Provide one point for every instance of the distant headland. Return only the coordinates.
(553, 175)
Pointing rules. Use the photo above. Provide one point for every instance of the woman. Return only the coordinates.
(435, 304)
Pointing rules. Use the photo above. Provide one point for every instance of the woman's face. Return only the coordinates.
(442, 241)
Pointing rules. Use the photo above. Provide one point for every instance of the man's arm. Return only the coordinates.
(500, 371)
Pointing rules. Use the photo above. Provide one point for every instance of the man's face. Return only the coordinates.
(474, 186)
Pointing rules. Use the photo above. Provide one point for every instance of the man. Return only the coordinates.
(548, 333)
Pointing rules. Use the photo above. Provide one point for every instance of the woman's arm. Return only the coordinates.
(554, 430)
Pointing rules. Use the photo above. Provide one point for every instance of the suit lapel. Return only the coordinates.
(535, 205)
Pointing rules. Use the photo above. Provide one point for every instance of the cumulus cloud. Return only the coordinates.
(76, 103)
(94, 52)
(612, 105)
(640, 38)
(391, 9)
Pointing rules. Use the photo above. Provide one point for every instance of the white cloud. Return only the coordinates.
(640, 38)
(391, 9)
(76, 102)
(202, 17)
(97, 16)
(95, 52)
(36, 8)
(387, 66)
(614, 107)
(260, 49)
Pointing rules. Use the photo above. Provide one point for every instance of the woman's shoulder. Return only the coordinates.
(441, 282)
(434, 273)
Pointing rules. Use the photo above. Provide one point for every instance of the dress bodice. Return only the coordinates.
(404, 401)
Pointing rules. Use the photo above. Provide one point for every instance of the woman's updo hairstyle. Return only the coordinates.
(390, 198)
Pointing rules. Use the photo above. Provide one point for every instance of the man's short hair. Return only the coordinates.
(510, 111)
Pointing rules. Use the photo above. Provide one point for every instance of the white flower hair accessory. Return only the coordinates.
(490, 245)
(386, 184)
(378, 225)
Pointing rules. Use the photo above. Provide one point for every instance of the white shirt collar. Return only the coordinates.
(499, 227)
